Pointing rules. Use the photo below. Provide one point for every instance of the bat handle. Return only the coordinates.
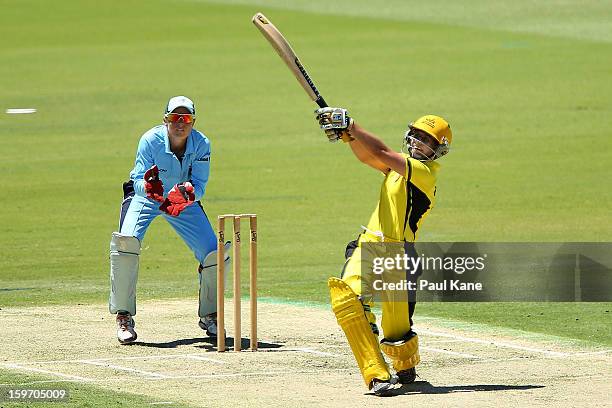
(321, 102)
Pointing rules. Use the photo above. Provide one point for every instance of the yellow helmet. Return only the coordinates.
(436, 127)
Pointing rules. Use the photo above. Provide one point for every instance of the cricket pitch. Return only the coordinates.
(303, 360)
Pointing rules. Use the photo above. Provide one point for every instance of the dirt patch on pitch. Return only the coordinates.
(303, 360)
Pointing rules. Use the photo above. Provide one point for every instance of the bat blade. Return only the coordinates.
(284, 50)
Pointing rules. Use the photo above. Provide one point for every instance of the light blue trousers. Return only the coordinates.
(192, 224)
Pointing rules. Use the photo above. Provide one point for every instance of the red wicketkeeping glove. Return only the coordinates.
(153, 185)
(180, 197)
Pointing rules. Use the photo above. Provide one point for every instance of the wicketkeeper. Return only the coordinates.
(169, 179)
(407, 196)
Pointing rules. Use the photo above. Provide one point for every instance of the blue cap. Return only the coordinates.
(180, 101)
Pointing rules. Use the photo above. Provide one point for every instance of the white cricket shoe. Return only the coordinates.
(125, 329)
(209, 323)
(384, 388)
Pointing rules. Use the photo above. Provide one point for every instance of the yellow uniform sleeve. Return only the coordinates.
(422, 174)
(405, 200)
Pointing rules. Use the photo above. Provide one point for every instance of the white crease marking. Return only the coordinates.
(496, 343)
(257, 373)
(452, 353)
(55, 373)
(153, 357)
(200, 358)
(591, 353)
(128, 369)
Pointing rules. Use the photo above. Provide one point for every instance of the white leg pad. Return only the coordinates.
(124, 254)
(208, 281)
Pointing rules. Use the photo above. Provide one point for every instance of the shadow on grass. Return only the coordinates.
(207, 343)
(425, 387)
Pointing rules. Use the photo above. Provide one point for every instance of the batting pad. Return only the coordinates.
(404, 353)
(364, 343)
(208, 280)
(124, 253)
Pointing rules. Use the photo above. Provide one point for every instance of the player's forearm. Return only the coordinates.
(144, 161)
(371, 144)
(200, 170)
(360, 151)
(199, 190)
(137, 176)
(199, 179)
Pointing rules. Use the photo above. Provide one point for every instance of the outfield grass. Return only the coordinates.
(589, 19)
(584, 321)
(529, 104)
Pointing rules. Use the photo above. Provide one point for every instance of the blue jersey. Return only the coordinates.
(154, 148)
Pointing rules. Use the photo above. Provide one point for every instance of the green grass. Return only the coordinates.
(584, 321)
(588, 20)
(528, 99)
(81, 396)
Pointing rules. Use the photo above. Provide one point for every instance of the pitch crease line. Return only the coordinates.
(200, 358)
(132, 370)
(300, 350)
(231, 375)
(592, 353)
(430, 341)
(39, 370)
(496, 343)
(452, 353)
(205, 376)
(153, 357)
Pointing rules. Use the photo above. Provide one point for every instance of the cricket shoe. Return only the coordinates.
(125, 329)
(383, 388)
(209, 324)
(407, 376)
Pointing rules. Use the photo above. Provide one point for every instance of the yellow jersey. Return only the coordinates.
(405, 201)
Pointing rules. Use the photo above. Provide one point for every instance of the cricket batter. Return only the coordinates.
(407, 196)
(169, 179)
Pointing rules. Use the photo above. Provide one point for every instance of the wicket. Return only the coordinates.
(236, 269)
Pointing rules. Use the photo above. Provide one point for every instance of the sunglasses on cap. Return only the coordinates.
(177, 117)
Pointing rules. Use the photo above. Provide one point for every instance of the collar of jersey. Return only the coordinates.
(188, 149)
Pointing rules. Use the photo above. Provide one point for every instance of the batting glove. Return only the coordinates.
(336, 123)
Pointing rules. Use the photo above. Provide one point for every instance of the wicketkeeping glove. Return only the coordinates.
(180, 197)
(153, 185)
(336, 123)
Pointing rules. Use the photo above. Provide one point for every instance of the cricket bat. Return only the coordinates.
(284, 50)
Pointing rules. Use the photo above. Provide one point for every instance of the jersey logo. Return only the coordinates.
(204, 159)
